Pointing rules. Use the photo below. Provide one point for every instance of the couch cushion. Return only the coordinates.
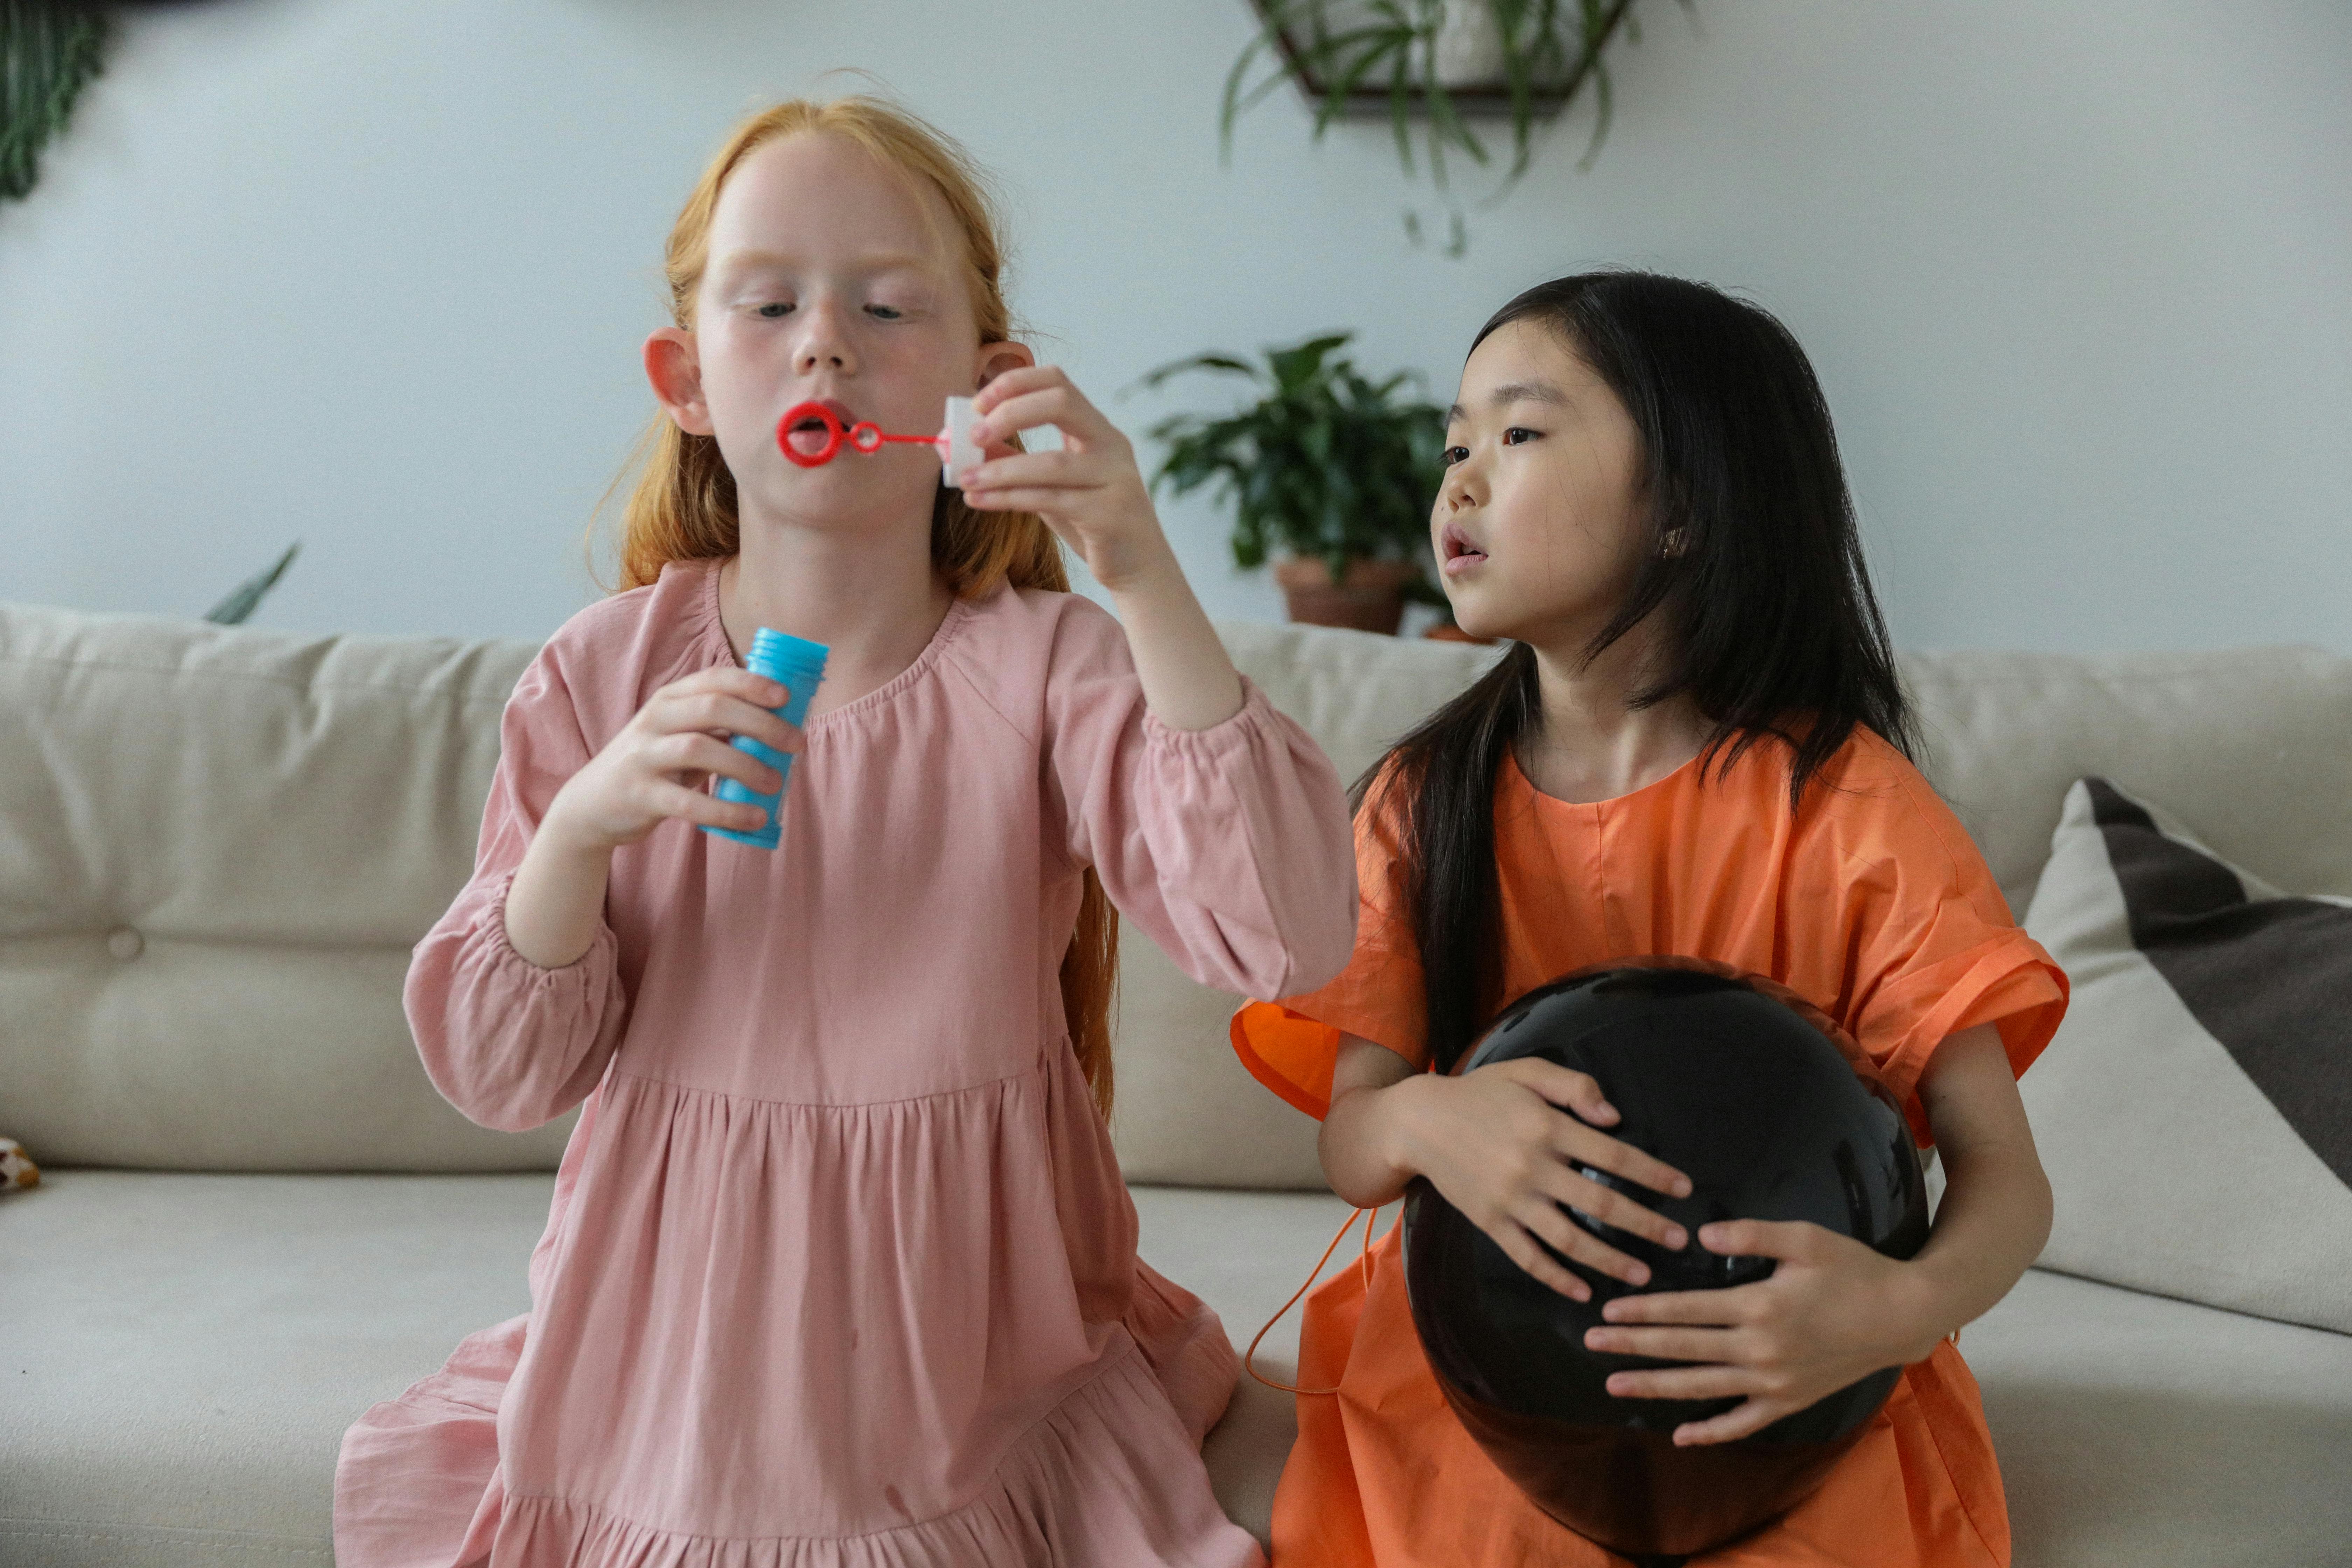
(219, 846)
(2254, 745)
(188, 1348)
(2137, 1432)
(2194, 1111)
(184, 1351)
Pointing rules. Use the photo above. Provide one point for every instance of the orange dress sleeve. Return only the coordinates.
(1930, 948)
(1290, 1046)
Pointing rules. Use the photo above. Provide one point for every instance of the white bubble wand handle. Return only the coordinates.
(958, 452)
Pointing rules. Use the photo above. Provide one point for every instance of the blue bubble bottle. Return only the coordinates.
(799, 665)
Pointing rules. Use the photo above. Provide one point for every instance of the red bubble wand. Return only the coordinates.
(953, 443)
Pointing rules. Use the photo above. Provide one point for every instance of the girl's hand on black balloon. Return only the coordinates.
(1833, 1312)
(1505, 1144)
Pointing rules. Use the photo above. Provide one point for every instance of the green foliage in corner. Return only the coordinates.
(49, 50)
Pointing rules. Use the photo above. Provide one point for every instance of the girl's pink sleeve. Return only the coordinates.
(1229, 846)
(508, 1043)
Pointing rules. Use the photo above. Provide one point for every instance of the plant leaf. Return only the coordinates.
(1231, 363)
(49, 52)
(248, 597)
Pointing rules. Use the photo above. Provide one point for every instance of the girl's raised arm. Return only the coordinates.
(1228, 846)
(1092, 497)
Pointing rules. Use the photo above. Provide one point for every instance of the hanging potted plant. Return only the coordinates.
(1331, 476)
(1429, 69)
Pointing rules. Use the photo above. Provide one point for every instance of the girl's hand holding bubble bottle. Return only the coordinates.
(797, 664)
(657, 766)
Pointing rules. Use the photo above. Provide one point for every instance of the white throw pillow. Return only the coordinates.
(2195, 1110)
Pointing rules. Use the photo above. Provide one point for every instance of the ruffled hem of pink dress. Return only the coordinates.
(1089, 1484)
(1111, 1476)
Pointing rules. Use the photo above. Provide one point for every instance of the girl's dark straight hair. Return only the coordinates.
(1773, 629)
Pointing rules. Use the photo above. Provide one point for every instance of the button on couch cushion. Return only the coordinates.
(218, 848)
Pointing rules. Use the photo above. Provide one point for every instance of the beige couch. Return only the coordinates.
(216, 847)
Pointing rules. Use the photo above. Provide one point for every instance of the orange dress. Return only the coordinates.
(1872, 902)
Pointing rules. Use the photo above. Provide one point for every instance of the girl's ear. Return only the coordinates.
(997, 358)
(674, 365)
(1674, 543)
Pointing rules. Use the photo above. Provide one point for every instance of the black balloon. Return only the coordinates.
(1747, 1090)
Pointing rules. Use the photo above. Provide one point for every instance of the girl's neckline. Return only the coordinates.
(714, 631)
(1511, 760)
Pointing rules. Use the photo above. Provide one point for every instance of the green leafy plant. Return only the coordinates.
(1326, 464)
(247, 598)
(1429, 67)
(49, 50)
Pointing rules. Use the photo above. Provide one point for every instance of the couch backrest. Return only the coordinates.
(2253, 748)
(217, 848)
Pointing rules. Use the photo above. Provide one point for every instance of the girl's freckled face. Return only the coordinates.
(834, 276)
(1539, 528)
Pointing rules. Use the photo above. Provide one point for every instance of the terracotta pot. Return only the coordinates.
(1369, 598)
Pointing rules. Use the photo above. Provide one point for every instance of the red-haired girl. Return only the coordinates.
(840, 1268)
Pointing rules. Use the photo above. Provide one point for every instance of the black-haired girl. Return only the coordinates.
(1696, 744)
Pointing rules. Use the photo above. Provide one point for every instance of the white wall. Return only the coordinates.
(373, 272)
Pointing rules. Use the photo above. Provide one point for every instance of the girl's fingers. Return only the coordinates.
(1580, 1095)
(706, 810)
(1036, 499)
(1059, 471)
(776, 735)
(1015, 410)
(1794, 1240)
(1544, 1219)
(1043, 395)
(1013, 384)
(1568, 1089)
(1521, 1248)
(1612, 1208)
(696, 753)
(1749, 1416)
(1714, 1346)
(1586, 1146)
(733, 680)
(1732, 1305)
(712, 711)
(1683, 1382)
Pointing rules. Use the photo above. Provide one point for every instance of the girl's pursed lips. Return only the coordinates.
(1461, 551)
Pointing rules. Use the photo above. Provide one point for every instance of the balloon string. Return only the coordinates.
(1249, 1356)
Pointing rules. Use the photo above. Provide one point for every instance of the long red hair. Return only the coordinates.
(683, 506)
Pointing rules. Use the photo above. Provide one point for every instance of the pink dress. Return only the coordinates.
(840, 1268)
